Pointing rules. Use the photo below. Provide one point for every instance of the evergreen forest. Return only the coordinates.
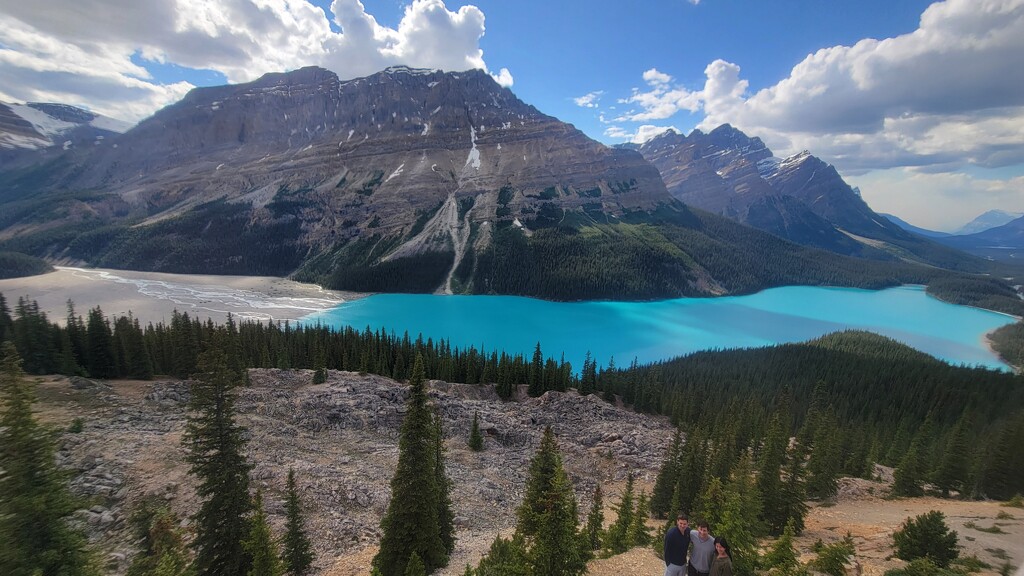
(760, 433)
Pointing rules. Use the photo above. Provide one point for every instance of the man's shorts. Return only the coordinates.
(673, 570)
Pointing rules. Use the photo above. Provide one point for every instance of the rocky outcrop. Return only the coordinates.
(341, 438)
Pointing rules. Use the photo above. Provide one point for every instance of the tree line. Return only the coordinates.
(880, 393)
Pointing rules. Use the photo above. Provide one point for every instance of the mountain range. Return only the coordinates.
(422, 180)
(1005, 243)
(800, 198)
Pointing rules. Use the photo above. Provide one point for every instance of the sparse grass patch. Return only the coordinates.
(998, 553)
(971, 564)
(1003, 515)
(994, 529)
(1016, 502)
(76, 426)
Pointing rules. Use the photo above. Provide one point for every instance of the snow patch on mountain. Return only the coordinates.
(769, 166)
(474, 153)
(42, 122)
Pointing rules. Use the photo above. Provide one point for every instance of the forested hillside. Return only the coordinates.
(16, 265)
(880, 392)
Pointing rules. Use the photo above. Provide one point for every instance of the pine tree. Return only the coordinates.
(34, 498)
(781, 559)
(954, 467)
(319, 365)
(639, 535)
(793, 505)
(260, 544)
(411, 523)
(587, 376)
(926, 536)
(769, 482)
(1004, 460)
(163, 550)
(101, 362)
(536, 373)
(476, 440)
(505, 558)
(505, 387)
(215, 452)
(546, 520)
(618, 533)
(6, 322)
(909, 476)
(661, 496)
(445, 516)
(595, 522)
(825, 459)
(732, 509)
(297, 554)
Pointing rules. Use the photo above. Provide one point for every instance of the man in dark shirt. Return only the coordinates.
(677, 541)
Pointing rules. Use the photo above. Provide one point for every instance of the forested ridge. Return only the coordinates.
(16, 265)
(881, 392)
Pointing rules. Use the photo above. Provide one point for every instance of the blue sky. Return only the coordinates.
(920, 104)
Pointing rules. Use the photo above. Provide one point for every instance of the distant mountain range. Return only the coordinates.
(986, 221)
(998, 235)
(421, 180)
(911, 228)
(800, 198)
(1004, 242)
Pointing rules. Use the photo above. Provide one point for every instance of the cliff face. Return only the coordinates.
(386, 146)
(308, 164)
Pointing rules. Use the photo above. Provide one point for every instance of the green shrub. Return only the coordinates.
(76, 426)
(832, 558)
(926, 536)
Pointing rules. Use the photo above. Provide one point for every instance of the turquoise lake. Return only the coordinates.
(664, 329)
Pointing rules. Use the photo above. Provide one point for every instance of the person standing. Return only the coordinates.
(703, 550)
(722, 564)
(677, 542)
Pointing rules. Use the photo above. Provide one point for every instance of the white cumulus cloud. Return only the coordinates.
(640, 135)
(947, 94)
(589, 100)
(81, 51)
(943, 201)
(503, 78)
(660, 101)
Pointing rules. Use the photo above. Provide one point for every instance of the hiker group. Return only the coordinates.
(710, 556)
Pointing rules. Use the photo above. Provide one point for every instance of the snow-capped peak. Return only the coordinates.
(53, 124)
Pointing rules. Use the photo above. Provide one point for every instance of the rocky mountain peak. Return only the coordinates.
(432, 161)
(35, 127)
(725, 137)
(669, 138)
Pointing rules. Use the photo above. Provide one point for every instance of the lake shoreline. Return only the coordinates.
(154, 296)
